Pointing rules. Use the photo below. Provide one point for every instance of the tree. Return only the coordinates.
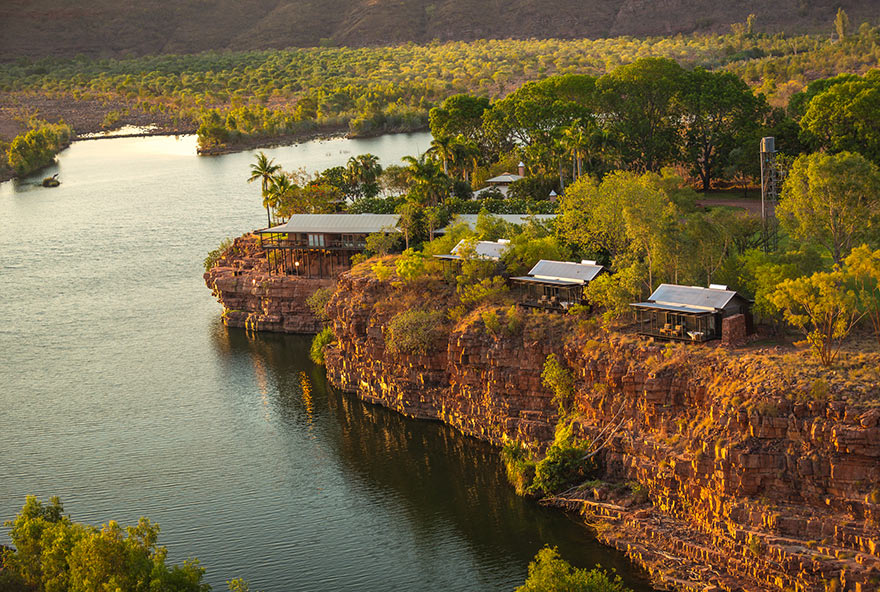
(844, 116)
(428, 184)
(459, 115)
(442, 148)
(864, 265)
(720, 111)
(410, 220)
(641, 103)
(54, 554)
(264, 170)
(832, 201)
(841, 24)
(823, 306)
(280, 195)
(548, 572)
(363, 172)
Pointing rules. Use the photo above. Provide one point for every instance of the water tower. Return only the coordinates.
(769, 193)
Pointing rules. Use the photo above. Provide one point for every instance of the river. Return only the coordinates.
(122, 392)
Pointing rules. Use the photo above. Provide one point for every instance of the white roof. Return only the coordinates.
(520, 219)
(484, 249)
(336, 223)
(505, 178)
(565, 270)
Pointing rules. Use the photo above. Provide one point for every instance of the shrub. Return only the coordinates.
(382, 271)
(549, 572)
(488, 290)
(519, 464)
(319, 343)
(215, 255)
(563, 465)
(415, 332)
(490, 319)
(557, 377)
(37, 147)
(317, 303)
(410, 265)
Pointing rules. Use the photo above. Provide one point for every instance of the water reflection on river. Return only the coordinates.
(122, 392)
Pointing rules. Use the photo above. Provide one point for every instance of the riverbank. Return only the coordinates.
(750, 469)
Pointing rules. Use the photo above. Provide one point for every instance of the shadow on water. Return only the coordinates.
(437, 477)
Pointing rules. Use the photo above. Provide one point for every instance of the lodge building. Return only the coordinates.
(690, 313)
(321, 245)
(557, 285)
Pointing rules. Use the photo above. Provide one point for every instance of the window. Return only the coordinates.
(316, 240)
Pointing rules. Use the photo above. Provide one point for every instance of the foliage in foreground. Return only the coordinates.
(549, 572)
(565, 464)
(415, 332)
(54, 554)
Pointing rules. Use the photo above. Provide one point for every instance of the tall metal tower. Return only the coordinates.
(769, 193)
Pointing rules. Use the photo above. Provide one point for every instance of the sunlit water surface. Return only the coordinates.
(121, 392)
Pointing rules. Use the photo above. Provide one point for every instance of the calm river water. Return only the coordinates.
(121, 392)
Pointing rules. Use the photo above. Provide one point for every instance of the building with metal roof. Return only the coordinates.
(321, 245)
(487, 250)
(557, 285)
(519, 219)
(689, 313)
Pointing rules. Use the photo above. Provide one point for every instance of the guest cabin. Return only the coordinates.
(689, 313)
(321, 245)
(485, 250)
(502, 182)
(557, 285)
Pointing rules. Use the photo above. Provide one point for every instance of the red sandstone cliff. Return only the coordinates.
(756, 479)
(255, 300)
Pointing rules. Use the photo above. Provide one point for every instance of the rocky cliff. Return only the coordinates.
(723, 468)
(255, 300)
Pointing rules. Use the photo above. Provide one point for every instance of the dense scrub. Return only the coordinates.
(37, 147)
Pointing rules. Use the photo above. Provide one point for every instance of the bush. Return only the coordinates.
(519, 464)
(319, 343)
(415, 332)
(383, 272)
(410, 265)
(317, 303)
(557, 377)
(550, 573)
(564, 464)
(215, 255)
(37, 148)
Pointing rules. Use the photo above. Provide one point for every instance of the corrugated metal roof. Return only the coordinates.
(519, 219)
(565, 270)
(484, 249)
(692, 296)
(505, 178)
(671, 308)
(336, 223)
(527, 279)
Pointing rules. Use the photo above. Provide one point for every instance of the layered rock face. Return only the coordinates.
(255, 300)
(751, 485)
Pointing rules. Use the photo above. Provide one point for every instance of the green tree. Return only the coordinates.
(363, 172)
(841, 24)
(823, 306)
(428, 184)
(721, 111)
(864, 265)
(264, 171)
(459, 115)
(843, 117)
(832, 201)
(548, 572)
(642, 105)
(54, 554)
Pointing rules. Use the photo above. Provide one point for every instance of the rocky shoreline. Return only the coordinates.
(723, 471)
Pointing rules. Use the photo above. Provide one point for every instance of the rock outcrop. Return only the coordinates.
(750, 484)
(256, 300)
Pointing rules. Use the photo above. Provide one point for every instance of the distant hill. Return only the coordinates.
(113, 27)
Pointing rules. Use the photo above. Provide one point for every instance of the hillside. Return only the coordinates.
(108, 27)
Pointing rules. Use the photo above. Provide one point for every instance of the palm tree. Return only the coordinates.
(442, 148)
(575, 138)
(427, 181)
(263, 170)
(465, 154)
(363, 171)
(278, 196)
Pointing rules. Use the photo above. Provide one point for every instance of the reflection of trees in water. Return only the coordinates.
(437, 477)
